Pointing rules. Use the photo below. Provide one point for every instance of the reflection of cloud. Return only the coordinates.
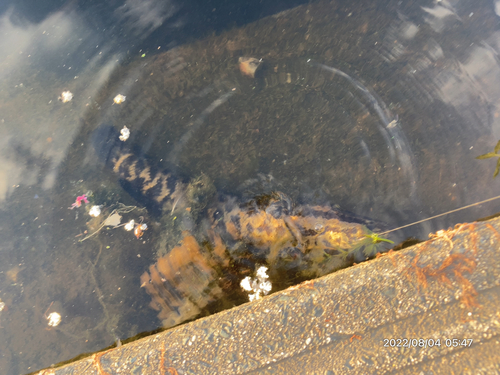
(398, 35)
(38, 63)
(439, 16)
(145, 16)
(11, 172)
(57, 36)
(471, 83)
(452, 77)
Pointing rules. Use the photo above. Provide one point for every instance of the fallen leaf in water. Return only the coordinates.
(113, 220)
(13, 272)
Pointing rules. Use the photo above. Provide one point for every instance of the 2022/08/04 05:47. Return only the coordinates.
(424, 343)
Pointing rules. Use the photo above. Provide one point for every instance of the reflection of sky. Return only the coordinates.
(39, 62)
(469, 79)
(476, 75)
(470, 83)
(144, 16)
(456, 65)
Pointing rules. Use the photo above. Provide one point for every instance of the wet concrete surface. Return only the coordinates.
(437, 300)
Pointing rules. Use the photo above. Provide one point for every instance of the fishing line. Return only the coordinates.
(443, 214)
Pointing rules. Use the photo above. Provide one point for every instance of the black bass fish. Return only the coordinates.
(232, 238)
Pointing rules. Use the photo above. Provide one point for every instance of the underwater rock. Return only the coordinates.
(249, 65)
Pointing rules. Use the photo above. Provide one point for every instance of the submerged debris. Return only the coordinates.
(125, 134)
(95, 211)
(79, 200)
(129, 226)
(54, 319)
(66, 96)
(494, 154)
(259, 285)
(140, 229)
(114, 219)
(249, 65)
(119, 99)
(393, 123)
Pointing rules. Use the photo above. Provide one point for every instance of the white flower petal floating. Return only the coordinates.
(125, 133)
(95, 211)
(129, 226)
(66, 96)
(54, 319)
